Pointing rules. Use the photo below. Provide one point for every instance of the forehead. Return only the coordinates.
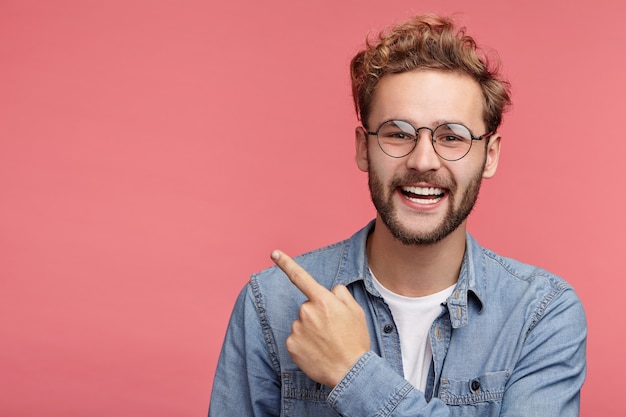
(428, 97)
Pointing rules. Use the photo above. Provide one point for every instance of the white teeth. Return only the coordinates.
(423, 190)
(424, 200)
(412, 194)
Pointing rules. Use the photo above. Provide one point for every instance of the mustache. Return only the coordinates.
(428, 177)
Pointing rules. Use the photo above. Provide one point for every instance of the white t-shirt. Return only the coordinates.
(413, 317)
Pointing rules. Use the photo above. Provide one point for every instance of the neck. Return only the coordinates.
(413, 270)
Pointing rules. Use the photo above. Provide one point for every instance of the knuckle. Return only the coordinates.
(290, 344)
(297, 274)
(306, 311)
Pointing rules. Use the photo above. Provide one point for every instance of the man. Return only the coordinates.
(410, 316)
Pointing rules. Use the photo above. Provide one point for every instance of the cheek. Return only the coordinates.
(472, 166)
(470, 174)
(383, 168)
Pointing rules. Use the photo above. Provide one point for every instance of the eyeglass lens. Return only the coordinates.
(451, 141)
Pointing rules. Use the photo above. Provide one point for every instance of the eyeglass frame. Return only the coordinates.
(432, 137)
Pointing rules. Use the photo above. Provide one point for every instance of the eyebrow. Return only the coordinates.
(436, 123)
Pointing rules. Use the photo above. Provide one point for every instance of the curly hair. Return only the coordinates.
(428, 42)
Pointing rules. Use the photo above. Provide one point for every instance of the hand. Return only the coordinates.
(330, 334)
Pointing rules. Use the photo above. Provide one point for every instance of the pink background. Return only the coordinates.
(152, 153)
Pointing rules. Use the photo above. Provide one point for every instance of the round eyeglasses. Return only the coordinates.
(451, 141)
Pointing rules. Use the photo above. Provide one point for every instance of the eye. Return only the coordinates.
(398, 135)
(449, 138)
(452, 134)
(397, 130)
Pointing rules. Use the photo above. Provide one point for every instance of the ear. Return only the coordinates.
(360, 137)
(493, 155)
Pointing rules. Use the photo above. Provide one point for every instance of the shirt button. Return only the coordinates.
(475, 385)
(388, 328)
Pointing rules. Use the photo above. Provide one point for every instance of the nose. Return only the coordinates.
(423, 158)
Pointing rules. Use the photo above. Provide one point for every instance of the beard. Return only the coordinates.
(452, 219)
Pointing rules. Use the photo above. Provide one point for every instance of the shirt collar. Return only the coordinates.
(470, 285)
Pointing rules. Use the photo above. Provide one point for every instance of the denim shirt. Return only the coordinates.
(510, 341)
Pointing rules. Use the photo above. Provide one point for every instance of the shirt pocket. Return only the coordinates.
(303, 396)
(486, 388)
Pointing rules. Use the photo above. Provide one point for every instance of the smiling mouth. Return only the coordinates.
(423, 195)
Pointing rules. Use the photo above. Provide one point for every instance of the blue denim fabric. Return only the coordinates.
(510, 341)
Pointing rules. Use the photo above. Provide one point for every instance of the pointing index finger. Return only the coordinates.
(298, 275)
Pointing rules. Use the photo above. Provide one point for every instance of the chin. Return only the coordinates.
(410, 237)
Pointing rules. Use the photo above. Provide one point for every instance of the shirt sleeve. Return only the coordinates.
(371, 388)
(246, 382)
